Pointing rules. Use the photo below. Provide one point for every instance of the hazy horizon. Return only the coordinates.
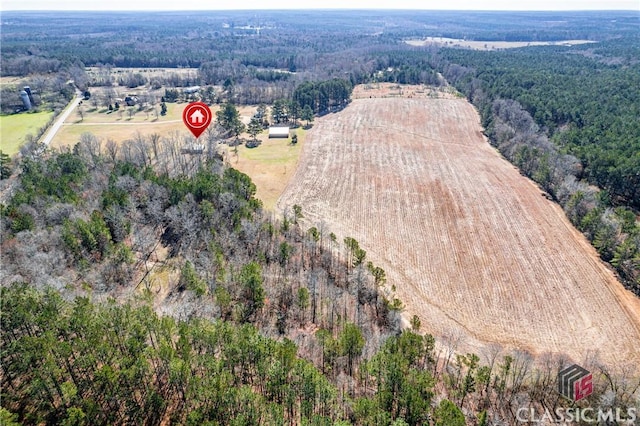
(205, 5)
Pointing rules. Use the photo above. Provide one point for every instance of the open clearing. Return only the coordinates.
(490, 45)
(271, 165)
(14, 128)
(472, 246)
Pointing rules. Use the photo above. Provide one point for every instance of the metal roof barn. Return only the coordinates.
(278, 132)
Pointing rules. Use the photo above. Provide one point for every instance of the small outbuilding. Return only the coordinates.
(131, 100)
(193, 149)
(278, 132)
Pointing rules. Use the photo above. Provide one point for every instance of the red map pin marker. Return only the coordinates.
(197, 117)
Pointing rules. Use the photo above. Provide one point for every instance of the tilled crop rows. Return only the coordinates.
(473, 247)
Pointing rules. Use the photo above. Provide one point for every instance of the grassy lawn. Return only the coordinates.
(14, 128)
(70, 135)
(270, 166)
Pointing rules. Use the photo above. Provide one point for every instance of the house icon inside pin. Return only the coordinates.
(197, 117)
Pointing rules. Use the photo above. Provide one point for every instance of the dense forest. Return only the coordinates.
(294, 40)
(142, 285)
(94, 218)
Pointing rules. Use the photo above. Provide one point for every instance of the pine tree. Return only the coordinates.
(5, 165)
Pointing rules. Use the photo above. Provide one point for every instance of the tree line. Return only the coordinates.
(80, 362)
(585, 105)
(567, 120)
(85, 363)
(323, 96)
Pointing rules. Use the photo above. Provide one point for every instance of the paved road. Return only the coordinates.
(51, 133)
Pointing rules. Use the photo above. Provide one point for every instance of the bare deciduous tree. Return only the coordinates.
(112, 149)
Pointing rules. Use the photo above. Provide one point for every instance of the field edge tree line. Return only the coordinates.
(558, 148)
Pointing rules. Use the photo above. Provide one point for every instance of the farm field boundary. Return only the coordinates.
(472, 247)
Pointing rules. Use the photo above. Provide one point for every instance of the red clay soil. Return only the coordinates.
(473, 247)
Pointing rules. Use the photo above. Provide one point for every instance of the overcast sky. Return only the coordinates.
(319, 4)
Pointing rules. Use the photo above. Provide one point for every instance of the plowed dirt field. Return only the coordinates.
(472, 246)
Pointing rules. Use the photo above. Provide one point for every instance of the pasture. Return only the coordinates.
(14, 128)
(271, 165)
(118, 125)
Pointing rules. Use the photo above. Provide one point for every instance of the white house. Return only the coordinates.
(278, 132)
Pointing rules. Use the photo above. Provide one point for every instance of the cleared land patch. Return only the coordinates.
(490, 45)
(271, 165)
(471, 245)
(115, 72)
(390, 90)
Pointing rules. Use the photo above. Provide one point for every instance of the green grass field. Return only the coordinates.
(270, 166)
(14, 128)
